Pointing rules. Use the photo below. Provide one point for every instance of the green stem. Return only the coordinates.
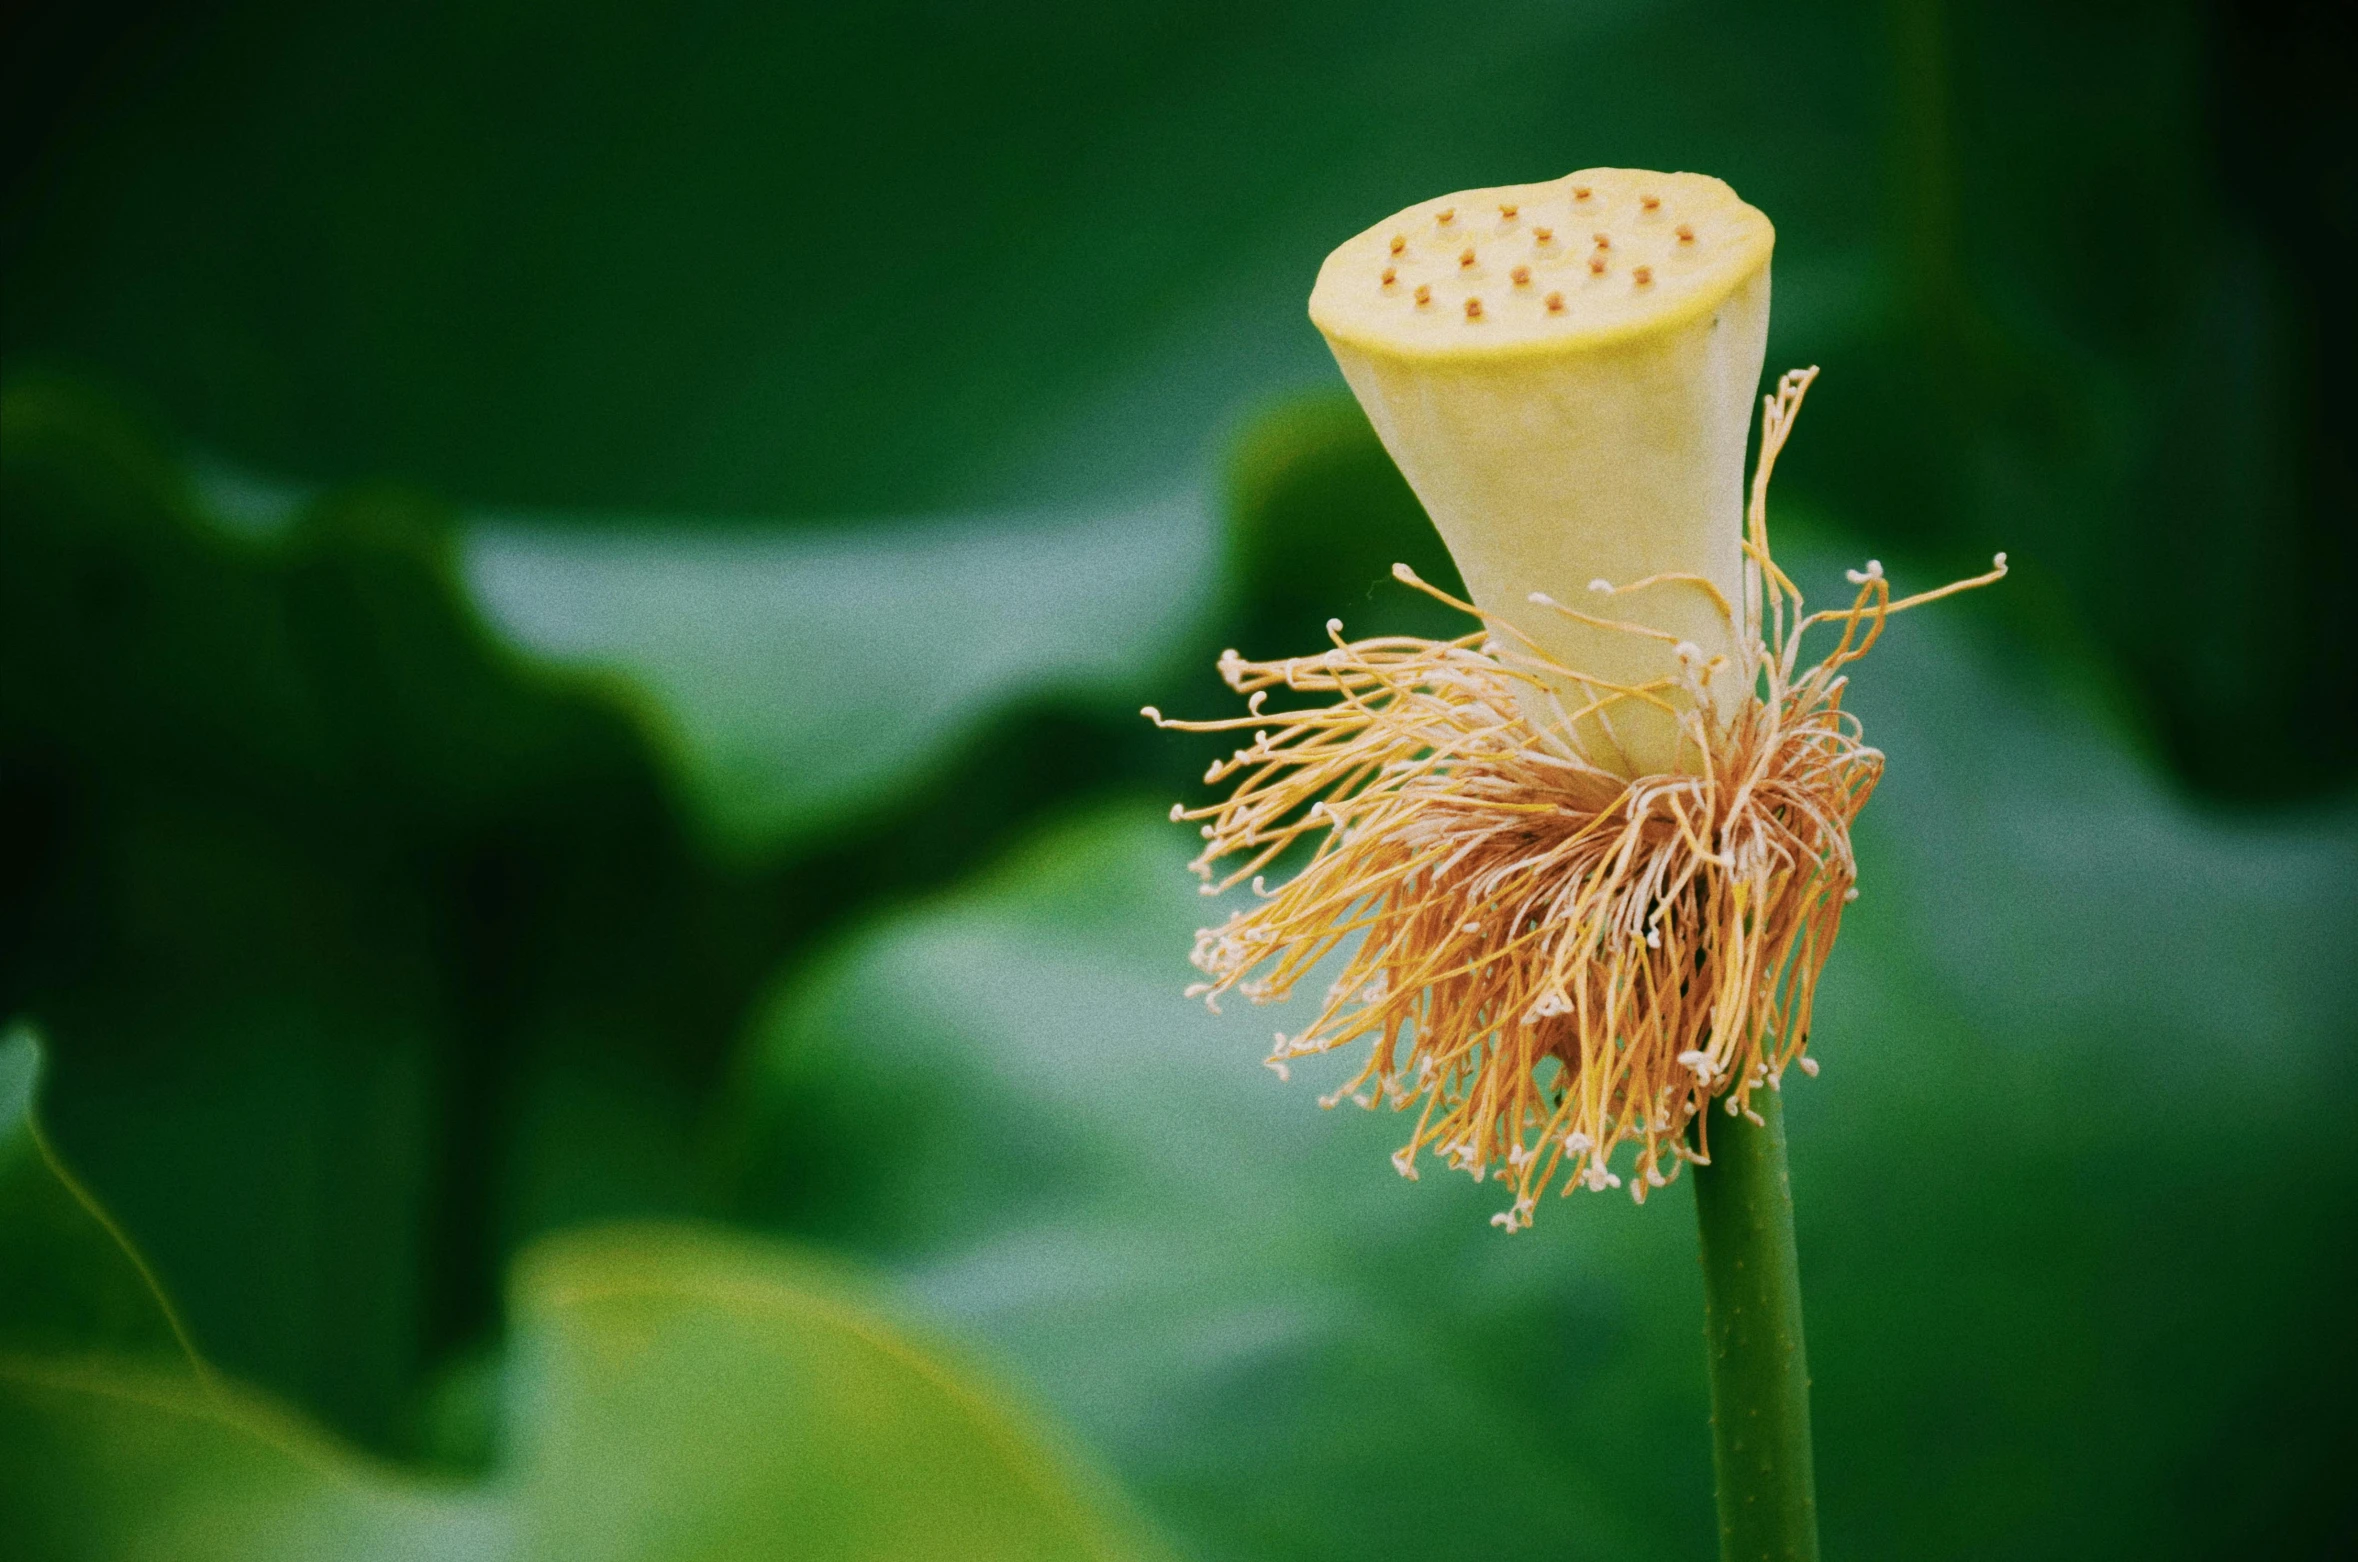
(1768, 1504)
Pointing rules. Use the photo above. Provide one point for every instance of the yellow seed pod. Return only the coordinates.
(1565, 373)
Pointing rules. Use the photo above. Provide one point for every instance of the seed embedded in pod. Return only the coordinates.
(1391, 275)
(1555, 303)
(1465, 258)
(1650, 202)
(1685, 232)
(1473, 309)
(1604, 240)
(1596, 265)
(1424, 294)
(1445, 216)
(1543, 235)
(1522, 276)
(1399, 243)
(1508, 210)
(1580, 192)
(1642, 275)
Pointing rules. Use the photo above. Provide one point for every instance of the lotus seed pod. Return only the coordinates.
(1565, 374)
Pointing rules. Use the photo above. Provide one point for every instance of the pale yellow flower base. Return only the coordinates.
(1549, 960)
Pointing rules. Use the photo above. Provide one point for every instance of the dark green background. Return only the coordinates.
(357, 357)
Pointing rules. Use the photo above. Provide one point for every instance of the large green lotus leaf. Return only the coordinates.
(797, 677)
(877, 260)
(363, 883)
(794, 676)
(277, 810)
(673, 1394)
(71, 1284)
(117, 1444)
(1285, 1348)
(693, 1394)
(722, 260)
(109, 1462)
(2074, 1189)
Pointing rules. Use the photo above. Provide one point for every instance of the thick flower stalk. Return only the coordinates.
(1581, 867)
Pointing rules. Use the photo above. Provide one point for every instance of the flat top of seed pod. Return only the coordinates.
(1594, 257)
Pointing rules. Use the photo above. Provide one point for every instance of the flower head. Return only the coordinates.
(1581, 866)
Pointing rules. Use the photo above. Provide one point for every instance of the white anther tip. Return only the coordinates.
(1601, 586)
(1150, 713)
(1407, 576)
(1334, 626)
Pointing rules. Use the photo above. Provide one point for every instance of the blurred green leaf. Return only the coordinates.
(71, 1284)
(799, 678)
(118, 1445)
(108, 1462)
(674, 1394)
(2074, 1190)
(693, 1394)
(375, 939)
(715, 260)
(1318, 515)
(1286, 1350)
(305, 862)
(820, 262)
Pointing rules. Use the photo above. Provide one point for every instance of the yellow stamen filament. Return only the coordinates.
(1547, 961)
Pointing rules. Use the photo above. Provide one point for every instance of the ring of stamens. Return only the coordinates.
(1549, 962)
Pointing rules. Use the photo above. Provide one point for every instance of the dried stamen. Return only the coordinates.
(1549, 963)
